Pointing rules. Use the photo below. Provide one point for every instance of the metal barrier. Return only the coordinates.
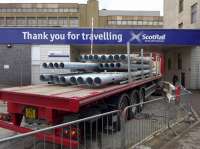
(112, 130)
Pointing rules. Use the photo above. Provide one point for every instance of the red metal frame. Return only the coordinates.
(41, 136)
(47, 105)
(48, 102)
(87, 100)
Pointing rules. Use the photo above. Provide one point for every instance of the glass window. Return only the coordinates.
(3, 9)
(145, 22)
(18, 10)
(155, 22)
(45, 10)
(41, 21)
(194, 13)
(24, 10)
(109, 22)
(66, 10)
(140, 22)
(2, 21)
(119, 22)
(124, 22)
(21, 21)
(55, 10)
(74, 22)
(129, 22)
(10, 21)
(150, 22)
(53, 21)
(180, 6)
(61, 10)
(72, 10)
(62, 21)
(31, 21)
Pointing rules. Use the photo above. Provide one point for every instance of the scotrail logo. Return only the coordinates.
(142, 37)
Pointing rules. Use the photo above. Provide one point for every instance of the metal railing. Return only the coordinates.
(111, 130)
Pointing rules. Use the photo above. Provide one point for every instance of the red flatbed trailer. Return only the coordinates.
(48, 98)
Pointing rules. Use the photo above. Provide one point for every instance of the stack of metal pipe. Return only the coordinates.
(97, 66)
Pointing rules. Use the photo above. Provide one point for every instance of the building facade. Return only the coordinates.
(183, 62)
(74, 15)
(59, 15)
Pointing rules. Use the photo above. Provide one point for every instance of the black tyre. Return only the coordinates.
(123, 101)
(120, 103)
(141, 98)
(134, 99)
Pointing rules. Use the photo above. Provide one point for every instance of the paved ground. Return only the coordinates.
(191, 139)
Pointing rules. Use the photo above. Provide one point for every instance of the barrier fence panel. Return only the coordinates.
(96, 132)
(156, 115)
(111, 130)
(151, 119)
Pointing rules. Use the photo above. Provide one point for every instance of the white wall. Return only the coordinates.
(195, 68)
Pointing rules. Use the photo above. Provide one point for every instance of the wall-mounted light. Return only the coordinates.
(9, 45)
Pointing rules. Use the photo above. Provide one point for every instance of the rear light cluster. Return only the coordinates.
(71, 133)
(5, 117)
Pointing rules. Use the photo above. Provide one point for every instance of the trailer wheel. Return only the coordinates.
(134, 99)
(123, 101)
(120, 102)
(141, 98)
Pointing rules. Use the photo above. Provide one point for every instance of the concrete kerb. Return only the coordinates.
(185, 131)
(196, 116)
(180, 135)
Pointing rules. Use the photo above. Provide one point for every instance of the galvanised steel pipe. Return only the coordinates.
(106, 65)
(51, 65)
(123, 57)
(45, 77)
(81, 58)
(65, 79)
(79, 79)
(86, 57)
(133, 66)
(112, 65)
(57, 65)
(97, 58)
(139, 59)
(104, 58)
(91, 57)
(116, 57)
(79, 66)
(111, 78)
(101, 66)
(111, 58)
(56, 79)
(72, 80)
(45, 65)
(90, 79)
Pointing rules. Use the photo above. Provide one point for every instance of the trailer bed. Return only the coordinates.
(66, 98)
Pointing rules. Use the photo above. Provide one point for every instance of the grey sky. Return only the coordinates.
(107, 4)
